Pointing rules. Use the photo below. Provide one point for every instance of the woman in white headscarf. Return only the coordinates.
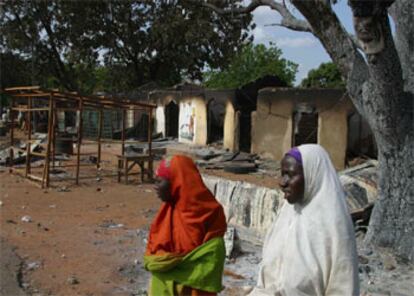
(310, 249)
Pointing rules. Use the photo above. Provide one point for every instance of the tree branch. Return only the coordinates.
(339, 45)
(60, 69)
(22, 30)
(288, 20)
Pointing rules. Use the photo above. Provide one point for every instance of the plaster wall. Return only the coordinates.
(272, 127)
(200, 136)
(230, 128)
(333, 132)
(273, 121)
(193, 121)
(160, 120)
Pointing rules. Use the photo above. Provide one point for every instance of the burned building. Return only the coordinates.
(246, 104)
(264, 117)
(181, 113)
(201, 116)
(299, 116)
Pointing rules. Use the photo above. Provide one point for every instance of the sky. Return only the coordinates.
(302, 48)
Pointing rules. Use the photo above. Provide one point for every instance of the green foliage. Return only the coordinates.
(253, 62)
(327, 75)
(53, 36)
(14, 70)
(71, 42)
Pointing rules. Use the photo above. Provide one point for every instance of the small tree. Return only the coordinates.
(252, 63)
(327, 75)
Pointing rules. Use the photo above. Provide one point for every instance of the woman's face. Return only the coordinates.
(162, 187)
(292, 181)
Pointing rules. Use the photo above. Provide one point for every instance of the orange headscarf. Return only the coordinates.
(163, 170)
(192, 217)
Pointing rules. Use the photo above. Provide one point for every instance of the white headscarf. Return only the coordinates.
(311, 249)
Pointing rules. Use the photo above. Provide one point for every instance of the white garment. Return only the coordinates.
(311, 248)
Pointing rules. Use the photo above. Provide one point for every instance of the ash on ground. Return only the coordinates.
(380, 272)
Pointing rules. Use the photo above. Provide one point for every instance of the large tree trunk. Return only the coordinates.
(392, 221)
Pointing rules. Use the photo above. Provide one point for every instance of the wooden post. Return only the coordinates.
(123, 131)
(150, 142)
(29, 135)
(46, 173)
(52, 133)
(126, 169)
(98, 163)
(55, 122)
(79, 140)
(124, 162)
(11, 134)
(119, 169)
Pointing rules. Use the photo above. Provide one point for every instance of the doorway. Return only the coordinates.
(305, 128)
(171, 119)
(215, 121)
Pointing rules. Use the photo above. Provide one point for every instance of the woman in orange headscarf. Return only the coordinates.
(185, 251)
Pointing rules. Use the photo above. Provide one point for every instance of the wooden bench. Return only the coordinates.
(128, 161)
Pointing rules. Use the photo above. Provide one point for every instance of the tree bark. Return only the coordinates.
(392, 220)
(402, 12)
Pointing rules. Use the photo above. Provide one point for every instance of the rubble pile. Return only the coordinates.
(19, 150)
(233, 162)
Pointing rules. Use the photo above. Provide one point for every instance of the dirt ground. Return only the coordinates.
(80, 241)
(90, 239)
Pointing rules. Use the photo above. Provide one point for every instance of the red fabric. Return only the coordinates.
(163, 171)
(191, 219)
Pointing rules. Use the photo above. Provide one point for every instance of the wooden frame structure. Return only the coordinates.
(51, 101)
